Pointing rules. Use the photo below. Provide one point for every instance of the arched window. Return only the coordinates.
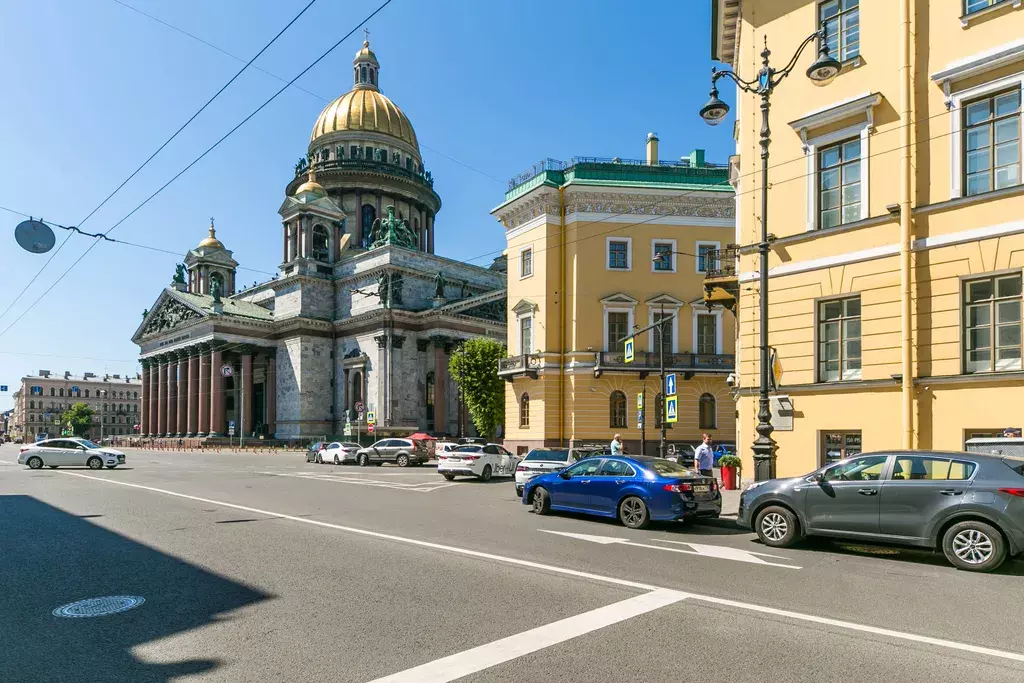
(52, 392)
(617, 410)
(369, 216)
(32, 405)
(61, 392)
(104, 407)
(357, 388)
(321, 243)
(371, 76)
(135, 395)
(658, 410)
(362, 74)
(429, 399)
(87, 393)
(707, 412)
(524, 411)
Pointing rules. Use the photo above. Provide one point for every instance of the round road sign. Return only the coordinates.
(227, 370)
(359, 406)
(369, 428)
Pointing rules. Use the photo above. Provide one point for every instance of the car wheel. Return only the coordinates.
(486, 474)
(777, 527)
(362, 460)
(35, 462)
(336, 460)
(633, 513)
(449, 477)
(402, 460)
(974, 546)
(541, 501)
(519, 492)
(94, 463)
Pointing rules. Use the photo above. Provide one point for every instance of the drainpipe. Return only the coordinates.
(561, 322)
(907, 388)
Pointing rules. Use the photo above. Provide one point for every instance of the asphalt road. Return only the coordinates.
(266, 568)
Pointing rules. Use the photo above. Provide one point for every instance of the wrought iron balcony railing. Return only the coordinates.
(525, 364)
(649, 362)
(721, 263)
(425, 178)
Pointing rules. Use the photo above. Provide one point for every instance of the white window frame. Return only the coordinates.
(669, 310)
(956, 118)
(696, 253)
(519, 333)
(523, 250)
(616, 309)
(717, 312)
(811, 148)
(672, 256)
(629, 253)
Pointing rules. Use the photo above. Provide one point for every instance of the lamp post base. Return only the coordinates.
(764, 458)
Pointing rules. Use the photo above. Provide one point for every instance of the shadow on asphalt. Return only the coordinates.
(51, 558)
(1012, 567)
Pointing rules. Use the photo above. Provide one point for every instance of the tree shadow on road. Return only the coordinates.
(51, 558)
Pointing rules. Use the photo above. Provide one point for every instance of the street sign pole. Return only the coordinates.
(661, 324)
(643, 420)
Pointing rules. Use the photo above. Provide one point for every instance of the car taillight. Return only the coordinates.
(22, 451)
(678, 488)
(520, 468)
(714, 484)
(471, 457)
(1014, 492)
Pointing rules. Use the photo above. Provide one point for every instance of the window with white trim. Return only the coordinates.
(618, 254)
(992, 324)
(839, 187)
(526, 334)
(991, 129)
(666, 340)
(663, 258)
(839, 346)
(842, 27)
(706, 333)
(617, 323)
(707, 256)
(972, 6)
(526, 262)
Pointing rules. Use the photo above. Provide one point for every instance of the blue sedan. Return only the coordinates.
(634, 489)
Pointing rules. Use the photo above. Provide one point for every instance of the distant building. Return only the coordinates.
(43, 398)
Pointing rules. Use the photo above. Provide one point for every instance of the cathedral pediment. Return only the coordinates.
(167, 314)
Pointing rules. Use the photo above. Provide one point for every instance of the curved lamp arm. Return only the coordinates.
(819, 34)
(749, 86)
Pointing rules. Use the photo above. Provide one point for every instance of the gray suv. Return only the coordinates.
(403, 452)
(969, 505)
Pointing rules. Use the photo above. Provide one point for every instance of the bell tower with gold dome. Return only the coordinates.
(211, 262)
(366, 157)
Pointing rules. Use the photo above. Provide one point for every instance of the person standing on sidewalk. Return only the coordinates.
(703, 458)
(616, 445)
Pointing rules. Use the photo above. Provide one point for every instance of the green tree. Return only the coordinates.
(474, 365)
(78, 417)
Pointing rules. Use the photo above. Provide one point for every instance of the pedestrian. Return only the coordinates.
(616, 445)
(703, 458)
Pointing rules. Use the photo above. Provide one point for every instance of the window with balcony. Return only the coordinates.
(839, 347)
(839, 187)
(618, 254)
(526, 334)
(617, 324)
(524, 411)
(842, 27)
(706, 333)
(707, 412)
(617, 410)
(992, 142)
(526, 263)
(992, 324)
(662, 341)
(707, 256)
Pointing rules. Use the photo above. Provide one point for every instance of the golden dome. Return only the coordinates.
(366, 54)
(365, 109)
(212, 242)
(311, 186)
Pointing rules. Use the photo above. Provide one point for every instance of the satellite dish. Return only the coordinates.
(35, 236)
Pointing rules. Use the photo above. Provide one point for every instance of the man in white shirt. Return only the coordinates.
(703, 458)
(616, 445)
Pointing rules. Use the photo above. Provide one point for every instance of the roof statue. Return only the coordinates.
(439, 285)
(179, 274)
(393, 231)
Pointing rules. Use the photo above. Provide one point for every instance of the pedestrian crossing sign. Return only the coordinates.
(670, 384)
(672, 409)
(629, 350)
(371, 417)
(640, 401)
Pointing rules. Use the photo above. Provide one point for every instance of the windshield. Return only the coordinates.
(468, 449)
(87, 443)
(668, 468)
(559, 456)
(349, 444)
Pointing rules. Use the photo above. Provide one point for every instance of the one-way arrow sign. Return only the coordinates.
(720, 552)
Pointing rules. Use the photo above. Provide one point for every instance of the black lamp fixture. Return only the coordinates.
(822, 72)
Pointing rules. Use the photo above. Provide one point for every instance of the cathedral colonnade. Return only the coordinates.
(199, 390)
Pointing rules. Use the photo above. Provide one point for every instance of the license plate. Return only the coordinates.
(701, 489)
(454, 459)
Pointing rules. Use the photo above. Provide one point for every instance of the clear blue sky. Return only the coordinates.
(92, 88)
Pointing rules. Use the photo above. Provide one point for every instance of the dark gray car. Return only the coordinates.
(969, 505)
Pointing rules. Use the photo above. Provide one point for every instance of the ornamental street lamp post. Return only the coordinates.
(824, 69)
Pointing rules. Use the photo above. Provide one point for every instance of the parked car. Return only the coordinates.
(581, 452)
(313, 449)
(442, 447)
(69, 452)
(541, 461)
(482, 462)
(636, 490)
(469, 440)
(968, 505)
(403, 452)
(719, 450)
(338, 452)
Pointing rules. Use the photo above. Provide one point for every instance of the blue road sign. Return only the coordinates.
(671, 409)
(3, 387)
(670, 384)
(629, 350)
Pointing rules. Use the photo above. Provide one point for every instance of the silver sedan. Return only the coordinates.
(69, 452)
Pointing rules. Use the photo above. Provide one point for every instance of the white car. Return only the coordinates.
(442, 447)
(69, 452)
(482, 462)
(541, 461)
(338, 452)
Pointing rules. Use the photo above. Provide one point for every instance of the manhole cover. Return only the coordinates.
(99, 607)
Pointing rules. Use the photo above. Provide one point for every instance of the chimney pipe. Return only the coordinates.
(652, 149)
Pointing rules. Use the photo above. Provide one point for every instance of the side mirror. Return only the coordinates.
(564, 474)
(818, 477)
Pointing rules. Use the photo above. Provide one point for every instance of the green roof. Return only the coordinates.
(241, 309)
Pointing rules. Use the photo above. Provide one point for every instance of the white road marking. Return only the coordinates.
(485, 656)
(422, 487)
(565, 571)
(720, 552)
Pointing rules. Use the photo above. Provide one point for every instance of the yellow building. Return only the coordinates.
(896, 206)
(582, 240)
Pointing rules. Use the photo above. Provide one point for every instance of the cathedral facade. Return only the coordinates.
(361, 311)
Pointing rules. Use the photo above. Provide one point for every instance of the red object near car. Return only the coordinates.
(729, 478)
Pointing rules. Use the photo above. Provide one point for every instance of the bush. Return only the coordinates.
(730, 461)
